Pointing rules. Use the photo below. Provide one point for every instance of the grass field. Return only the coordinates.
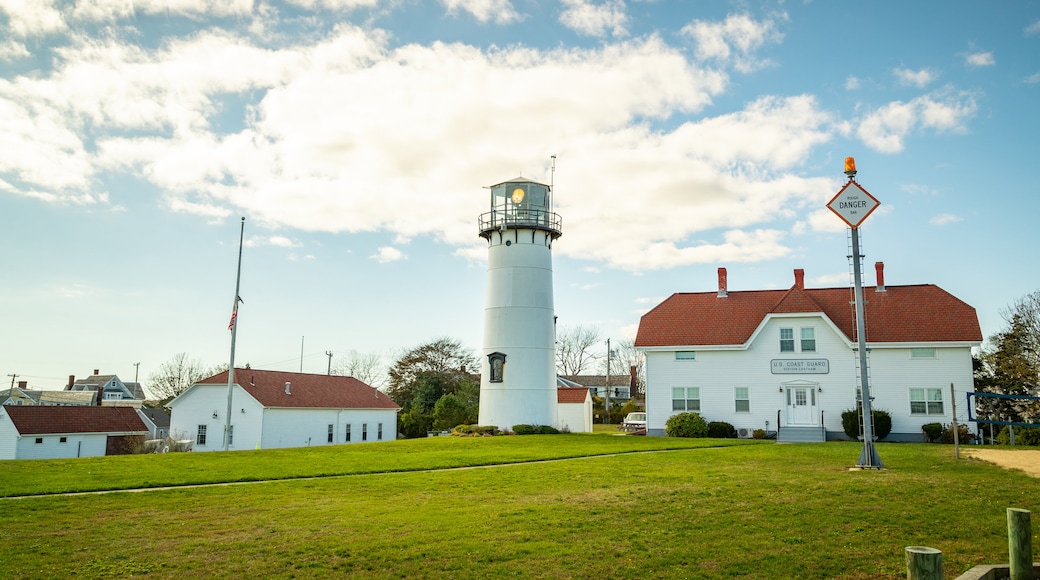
(609, 507)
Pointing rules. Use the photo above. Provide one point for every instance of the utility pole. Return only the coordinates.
(606, 402)
(328, 353)
(13, 377)
(137, 367)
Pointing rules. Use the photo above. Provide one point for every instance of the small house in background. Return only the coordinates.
(788, 360)
(275, 409)
(54, 432)
(573, 407)
(17, 396)
(157, 421)
(111, 391)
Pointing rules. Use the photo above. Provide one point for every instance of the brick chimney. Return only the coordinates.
(799, 278)
(72, 381)
(23, 384)
(722, 283)
(879, 267)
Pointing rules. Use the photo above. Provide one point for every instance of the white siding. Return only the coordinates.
(719, 372)
(8, 437)
(86, 445)
(576, 417)
(308, 427)
(199, 406)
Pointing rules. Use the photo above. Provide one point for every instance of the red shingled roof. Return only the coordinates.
(306, 390)
(919, 313)
(48, 420)
(571, 395)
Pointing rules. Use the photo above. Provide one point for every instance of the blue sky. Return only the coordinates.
(356, 137)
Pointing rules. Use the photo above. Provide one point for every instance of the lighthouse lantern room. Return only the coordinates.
(518, 366)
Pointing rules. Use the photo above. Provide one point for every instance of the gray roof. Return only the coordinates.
(158, 417)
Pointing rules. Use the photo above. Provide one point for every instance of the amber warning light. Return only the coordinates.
(850, 167)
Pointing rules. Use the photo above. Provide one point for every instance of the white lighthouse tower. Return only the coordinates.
(518, 366)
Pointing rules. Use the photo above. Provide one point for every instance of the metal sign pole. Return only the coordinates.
(869, 457)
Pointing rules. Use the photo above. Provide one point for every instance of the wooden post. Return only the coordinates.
(1020, 548)
(923, 563)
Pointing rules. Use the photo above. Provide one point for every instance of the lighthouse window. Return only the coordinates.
(497, 362)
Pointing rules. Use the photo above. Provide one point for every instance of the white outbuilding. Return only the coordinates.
(58, 432)
(273, 409)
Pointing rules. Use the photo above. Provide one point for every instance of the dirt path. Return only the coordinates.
(1027, 460)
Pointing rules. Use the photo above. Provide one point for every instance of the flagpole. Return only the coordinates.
(234, 333)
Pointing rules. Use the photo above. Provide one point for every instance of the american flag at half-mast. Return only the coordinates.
(234, 314)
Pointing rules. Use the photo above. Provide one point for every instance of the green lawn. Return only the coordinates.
(751, 510)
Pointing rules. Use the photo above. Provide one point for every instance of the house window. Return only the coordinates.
(926, 402)
(922, 353)
(330, 433)
(63, 440)
(786, 340)
(497, 361)
(364, 431)
(112, 395)
(685, 355)
(39, 440)
(808, 339)
(347, 429)
(200, 436)
(380, 437)
(686, 398)
(743, 399)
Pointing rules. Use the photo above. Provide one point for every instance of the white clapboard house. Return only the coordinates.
(272, 409)
(57, 432)
(787, 360)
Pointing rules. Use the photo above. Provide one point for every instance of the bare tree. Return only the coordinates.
(176, 375)
(367, 367)
(575, 349)
(624, 356)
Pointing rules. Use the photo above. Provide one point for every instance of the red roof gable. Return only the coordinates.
(306, 390)
(571, 395)
(47, 420)
(919, 313)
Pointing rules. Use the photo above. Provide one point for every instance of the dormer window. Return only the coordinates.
(497, 363)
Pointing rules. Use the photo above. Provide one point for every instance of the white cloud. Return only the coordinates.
(1033, 28)
(276, 241)
(944, 219)
(11, 49)
(852, 83)
(886, 128)
(591, 19)
(1033, 78)
(386, 254)
(733, 41)
(920, 78)
(499, 11)
(334, 137)
(31, 18)
(979, 59)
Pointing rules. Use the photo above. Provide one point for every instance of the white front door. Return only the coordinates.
(801, 405)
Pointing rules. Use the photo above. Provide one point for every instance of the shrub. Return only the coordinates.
(1023, 436)
(721, 430)
(475, 431)
(853, 427)
(758, 434)
(932, 431)
(963, 435)
(535, 430)
(686, 425)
